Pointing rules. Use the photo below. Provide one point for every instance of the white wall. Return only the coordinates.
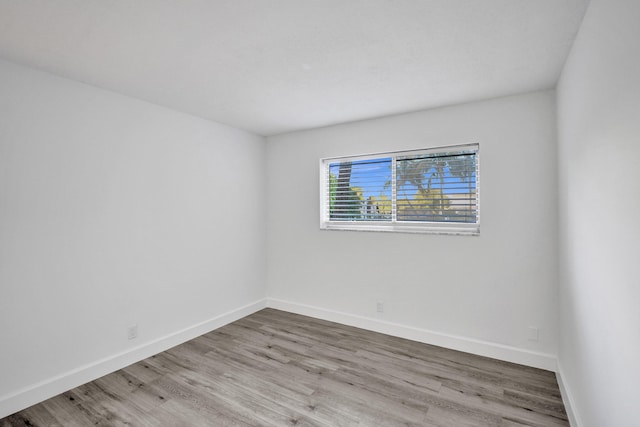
(489, 288)
(115, 212)
(599, 163)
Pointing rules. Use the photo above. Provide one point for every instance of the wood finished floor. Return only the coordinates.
(280, 369)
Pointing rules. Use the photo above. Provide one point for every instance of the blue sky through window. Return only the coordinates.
(373, 177)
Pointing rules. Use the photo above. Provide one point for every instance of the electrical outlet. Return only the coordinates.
(380, 307)
(132, 332)
(534, 333)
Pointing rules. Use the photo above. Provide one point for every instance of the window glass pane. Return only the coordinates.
(430, 190)
(360, 190)
(439, 187)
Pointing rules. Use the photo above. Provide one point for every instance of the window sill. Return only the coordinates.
(447, 229)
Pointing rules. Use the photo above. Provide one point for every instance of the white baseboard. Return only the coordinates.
(569, 405)
(469, 345)
(46, 389)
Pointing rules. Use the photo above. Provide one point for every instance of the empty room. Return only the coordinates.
(320, 213)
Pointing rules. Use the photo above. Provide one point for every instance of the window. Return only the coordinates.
(429, 190)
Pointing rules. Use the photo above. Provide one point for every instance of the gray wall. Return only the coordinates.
(489, 288)
(599, 164)
(115, 212)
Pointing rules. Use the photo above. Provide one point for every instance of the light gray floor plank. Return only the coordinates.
(280, 369)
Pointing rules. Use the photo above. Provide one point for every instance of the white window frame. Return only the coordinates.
(394, 225)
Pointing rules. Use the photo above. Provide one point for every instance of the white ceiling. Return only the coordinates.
(273, 66)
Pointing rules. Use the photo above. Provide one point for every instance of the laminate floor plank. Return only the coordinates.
(274, 368)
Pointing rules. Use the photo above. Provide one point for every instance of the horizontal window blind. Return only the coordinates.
(360, 190)
(410, 190)
(437, 187)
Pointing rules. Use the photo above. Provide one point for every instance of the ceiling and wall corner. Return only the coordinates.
(281, 65)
